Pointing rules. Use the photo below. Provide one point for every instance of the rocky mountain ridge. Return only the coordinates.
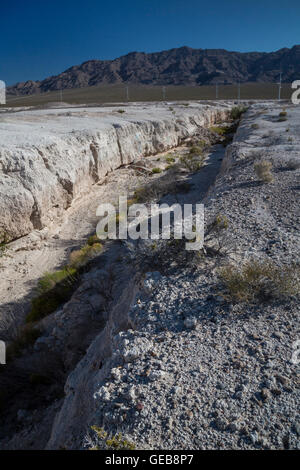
(179, 66)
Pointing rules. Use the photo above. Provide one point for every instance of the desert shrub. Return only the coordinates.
(101, 440)
(263, 170)
(218, 130)
(237, 112)
(92, 240)
(121, 111)
(196, 150)
(156, 170)
(282, 114)
(26, 336)
(81, 257)
(255, 125)
(53, 290)
(293, 164)
(192, 162)
(170, 159)
(257, 281)
(216, 240)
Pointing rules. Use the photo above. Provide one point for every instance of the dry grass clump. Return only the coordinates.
(260, 281)
(101, 440)
(263, 170)
(81, 257)
(156, 170)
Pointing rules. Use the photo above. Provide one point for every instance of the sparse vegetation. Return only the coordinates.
(156, 170)
(216, 241)
(53, 290)
(237, 112)
(263, 171)
(103, 441)
(196, 150)
(121, 111)
(218, 130)
(81, 257)
(259, 281)
(282, 116)
(192, 162)
(255, 125)
(170, 159)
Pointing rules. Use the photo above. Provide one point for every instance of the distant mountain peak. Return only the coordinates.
(178, 66)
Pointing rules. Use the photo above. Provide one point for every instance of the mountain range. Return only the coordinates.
(180, 66)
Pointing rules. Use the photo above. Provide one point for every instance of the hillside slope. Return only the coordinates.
(181, 66)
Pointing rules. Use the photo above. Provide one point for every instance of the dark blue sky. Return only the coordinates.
(40, 38)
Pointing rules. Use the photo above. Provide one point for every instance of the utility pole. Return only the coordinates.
(61, 96)
(217, 91)
(279, 86)
(164, 93)
(239, 91)
(127, 93)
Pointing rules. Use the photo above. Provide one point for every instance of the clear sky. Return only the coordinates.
(40, 38)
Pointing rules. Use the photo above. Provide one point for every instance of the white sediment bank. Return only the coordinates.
(49, 157)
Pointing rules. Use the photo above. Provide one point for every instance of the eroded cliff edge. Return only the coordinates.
(50, 157)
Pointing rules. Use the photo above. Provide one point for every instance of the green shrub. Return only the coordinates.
(218, 130)
(170, 159)
(121, 111)
(192, 162)
(92, 240)
(81, 257)
(156, 170)
(237, 112)
(263, 171)
(106, 442)
(53, 290)
(196, 150)
(282, 114)
(257, 281)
